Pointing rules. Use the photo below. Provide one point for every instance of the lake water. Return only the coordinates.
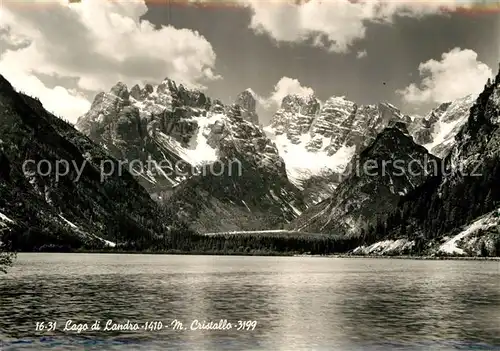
(298, 303)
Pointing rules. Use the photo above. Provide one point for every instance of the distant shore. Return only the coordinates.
(430, 258)
(273, 253)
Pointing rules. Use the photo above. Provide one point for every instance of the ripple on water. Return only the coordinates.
(299, 302)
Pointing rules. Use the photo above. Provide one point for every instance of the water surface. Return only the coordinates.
(299, 303)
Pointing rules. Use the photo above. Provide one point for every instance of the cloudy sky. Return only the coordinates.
(414, 54)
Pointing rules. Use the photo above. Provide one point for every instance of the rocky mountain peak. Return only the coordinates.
(295, 116)
(455, 211)
(388, 111)
(443, 107)
(487, 104)
(248, 105)
(247, 100)
(429, 120)
(135, 92)
(307, 105)
(479, 136)
(217, 106)
(121, 90)
(170, 83)
(148, 89)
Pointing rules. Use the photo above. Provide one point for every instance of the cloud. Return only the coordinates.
(58, 100)
(361, 54)
(456, 75)
(335, 25)
(267, 105)
(286, 86)
(96, 43)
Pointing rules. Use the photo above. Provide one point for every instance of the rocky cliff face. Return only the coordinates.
(191, 134)
(58, 188)
(167, 123)
(163, 129)
(389, 168)
(437, 130)
(295, 117)
(248, 102)
(318, 143)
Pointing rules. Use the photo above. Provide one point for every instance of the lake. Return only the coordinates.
(283, 303)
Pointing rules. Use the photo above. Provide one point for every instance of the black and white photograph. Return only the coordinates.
(243, 175)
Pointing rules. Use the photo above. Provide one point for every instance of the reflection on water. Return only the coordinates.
(299, 303)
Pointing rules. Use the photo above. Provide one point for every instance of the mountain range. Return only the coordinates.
(193, 162)
(369, 192)
(190, 134)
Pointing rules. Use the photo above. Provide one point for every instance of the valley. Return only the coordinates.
(212, 178)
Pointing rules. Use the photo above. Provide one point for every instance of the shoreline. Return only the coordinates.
(277, 254)
(427, 258)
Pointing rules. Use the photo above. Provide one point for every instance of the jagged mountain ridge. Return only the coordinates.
(318, 142)
(170, 123)
(165, 122)
(72, 210)
(377, 179)
(152, 122)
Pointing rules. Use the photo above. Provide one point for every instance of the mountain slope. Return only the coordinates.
(247, 189)
(389, 168)
(85, 205)
(220, 204)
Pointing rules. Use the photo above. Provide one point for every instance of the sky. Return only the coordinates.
(413, 54)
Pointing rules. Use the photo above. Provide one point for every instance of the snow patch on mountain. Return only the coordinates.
(467, 237)
(71, 224)
(442, 135)
(198, 151)
(4, 220)
(437, 130)
(84, 233)
(385, 247)
(302, 164)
